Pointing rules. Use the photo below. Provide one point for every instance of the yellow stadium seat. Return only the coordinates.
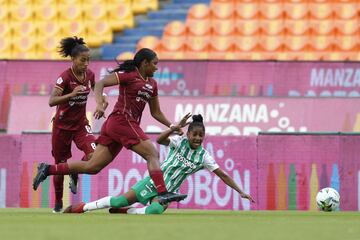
(247, 10)
(5, 46)
(24, 47)
(45, 2)
(273, 26)
(120, 16)
(297, 26)
(247, 26)
(24, 28)
(72, 28)
(296, 10)
(320, 9)
(142, 6)
(125, 56)
(222, 10)
(347, 26)
(322, 26)
(271, 10)
(23, 12)
(346, 9)
(47, 44)
(222, 47)
(175, 28)
(95, 11)
(151, 42)
(198, 27)
(5, 29)
(48, 28)
(199, 12)
(197, 47)
(4, 13)
(98, 32)
(172, 47)
(46, 13)
(223, 27)
(70, 12)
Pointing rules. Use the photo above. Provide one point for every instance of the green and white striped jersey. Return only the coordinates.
(183, 161)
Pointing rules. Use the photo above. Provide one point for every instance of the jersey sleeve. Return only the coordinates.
(123, 77)
(175, 141)
(62, 82)
(210, 163)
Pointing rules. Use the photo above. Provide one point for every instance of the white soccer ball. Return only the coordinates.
(328, 199)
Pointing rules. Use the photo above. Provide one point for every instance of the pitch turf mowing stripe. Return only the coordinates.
(45, 186)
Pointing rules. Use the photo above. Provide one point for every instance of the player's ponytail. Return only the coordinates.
(72, 46)
(197, 122)
(130, 65)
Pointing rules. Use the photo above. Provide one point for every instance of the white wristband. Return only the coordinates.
(104, 94)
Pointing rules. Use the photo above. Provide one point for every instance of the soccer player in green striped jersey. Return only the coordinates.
(186, 156)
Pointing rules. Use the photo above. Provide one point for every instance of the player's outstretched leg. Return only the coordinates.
(168, 197)
(73, 183)
(76, 208)
(41, 175)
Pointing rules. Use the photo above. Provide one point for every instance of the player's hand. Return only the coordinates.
(183, 122)
(247, 196)
(99, 111)
(77, 90)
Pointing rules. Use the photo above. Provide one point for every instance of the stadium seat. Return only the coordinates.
(296, 9)
(175, 28)
(296, 43)
(347, 42)
(223, 27)
(322, 26)
(199, 12)
(5, 47)
(198, 27)
(23, 12)
(221, 48)
(48, 28)
(246, 43)
(320, 9)
(247, 9)
(75, 28)
(24, 47)
(222, 10)
(172, 47)
(95, 11)
(142, 6)
(120, 16)
(4, 13)
(271, 43)
(273, 26)
(347, 26)
(322, 43)
(70, 12)
(125, 56)
(45, 12)
(23, 28)
(297, 26)
(271, 9)
(151, 42)
(346, 9)
(97, 32)
(47, 47)
(197, 47)
(247, 26)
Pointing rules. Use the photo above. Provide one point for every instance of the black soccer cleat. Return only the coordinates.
(41, 175)
(58, 207)
(168, 197)
(73, 183)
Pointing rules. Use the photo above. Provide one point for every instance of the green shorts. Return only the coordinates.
(145, 191)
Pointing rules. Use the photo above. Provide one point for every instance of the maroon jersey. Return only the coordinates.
(72, 114)
(135, 92)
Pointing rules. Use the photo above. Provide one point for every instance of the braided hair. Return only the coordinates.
(197, 122)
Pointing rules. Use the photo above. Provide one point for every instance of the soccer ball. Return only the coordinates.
(328, 199)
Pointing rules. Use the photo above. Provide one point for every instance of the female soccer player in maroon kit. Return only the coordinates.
(70, 123)
(122, 128)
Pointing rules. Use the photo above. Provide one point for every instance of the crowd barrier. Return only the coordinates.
(281, 171)
(198, 78)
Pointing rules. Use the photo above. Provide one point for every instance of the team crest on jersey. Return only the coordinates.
(148, 86)
(143, 193)
(59, 80)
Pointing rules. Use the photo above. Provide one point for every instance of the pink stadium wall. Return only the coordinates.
(280, 171)
(199, 78)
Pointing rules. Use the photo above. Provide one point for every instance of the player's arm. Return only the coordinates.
(231, 183)
(57, 98)
(156, 111)
(109, 80)
(163, 138)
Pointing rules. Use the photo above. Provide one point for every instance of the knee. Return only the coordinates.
(151, 155)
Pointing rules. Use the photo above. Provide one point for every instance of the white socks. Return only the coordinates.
(98, 204)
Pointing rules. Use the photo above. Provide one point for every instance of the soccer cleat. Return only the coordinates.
(119, 210)
(58, 208)
(73, 183)
(41, 175)
(168, 197)
(77, 208)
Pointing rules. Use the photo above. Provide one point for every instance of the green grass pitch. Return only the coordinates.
(41, 224)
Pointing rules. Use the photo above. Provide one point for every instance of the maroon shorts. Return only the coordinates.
(118, 131)
(62, 139)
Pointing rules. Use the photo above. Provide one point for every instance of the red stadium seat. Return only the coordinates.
(321, 9)
(347, 42)
(271, 10)
(248, 48)
(346, 9)
(247, 10)
(151, 42)
(172, 47)
(247, 27)
(296, 10)
(347, 26)
(198, 27)
(322, 26)
(221, 47)
(297, 26)
(175, 28)
(271, 43)
(273, 26)
(199, 12)
(197, 47)
(223, 27)
(222, 10)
